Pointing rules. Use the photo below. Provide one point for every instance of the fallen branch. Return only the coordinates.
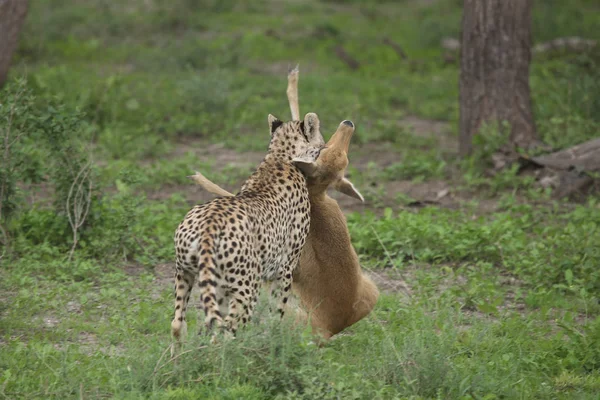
(397, 48)
(572, 167)
(582, 157)
(346, 58)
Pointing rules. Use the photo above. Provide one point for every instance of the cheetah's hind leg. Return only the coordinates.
(184, 282)
(224, 295)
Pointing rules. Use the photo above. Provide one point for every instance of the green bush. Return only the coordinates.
(517, 241)
(43, 144)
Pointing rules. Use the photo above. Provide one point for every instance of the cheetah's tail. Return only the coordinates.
(207, 280)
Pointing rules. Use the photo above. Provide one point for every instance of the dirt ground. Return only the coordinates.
(438, 192)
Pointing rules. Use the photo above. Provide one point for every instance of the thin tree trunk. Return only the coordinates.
(12, 16)
(494, 77)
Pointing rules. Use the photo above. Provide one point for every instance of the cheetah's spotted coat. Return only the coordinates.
(229, 244)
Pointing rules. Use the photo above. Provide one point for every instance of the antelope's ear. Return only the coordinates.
(308, 167)
(274, 123)
(307, 162)
(346, 187)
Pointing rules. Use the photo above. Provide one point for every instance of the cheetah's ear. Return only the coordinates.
(346, 187)
(274, 123)
(312, 128)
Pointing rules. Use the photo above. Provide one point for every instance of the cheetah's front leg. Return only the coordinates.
(283, 286)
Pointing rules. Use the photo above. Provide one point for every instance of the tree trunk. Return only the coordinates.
(12, 16)
(494, 76)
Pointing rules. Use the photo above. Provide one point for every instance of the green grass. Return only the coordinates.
(504, 280)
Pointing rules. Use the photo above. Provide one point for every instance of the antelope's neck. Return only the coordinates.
(329, 231)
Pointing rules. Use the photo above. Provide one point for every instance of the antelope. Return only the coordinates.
(333, 290)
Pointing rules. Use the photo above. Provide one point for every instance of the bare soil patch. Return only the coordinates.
(362, 157)
(390, 281)
(380, 153)
(439, 130)
(223, 156)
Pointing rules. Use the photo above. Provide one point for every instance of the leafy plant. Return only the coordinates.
(43, 141)
(14, 118)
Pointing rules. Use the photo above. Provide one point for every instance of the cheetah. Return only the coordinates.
(333, 290)
(231, 243)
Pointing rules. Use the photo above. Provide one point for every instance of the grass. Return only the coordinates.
(503, 280)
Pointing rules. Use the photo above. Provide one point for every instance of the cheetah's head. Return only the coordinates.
(296, 138)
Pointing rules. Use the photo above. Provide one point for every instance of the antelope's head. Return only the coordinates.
(329, 168)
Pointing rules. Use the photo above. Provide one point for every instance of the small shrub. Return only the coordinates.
(42, 141)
